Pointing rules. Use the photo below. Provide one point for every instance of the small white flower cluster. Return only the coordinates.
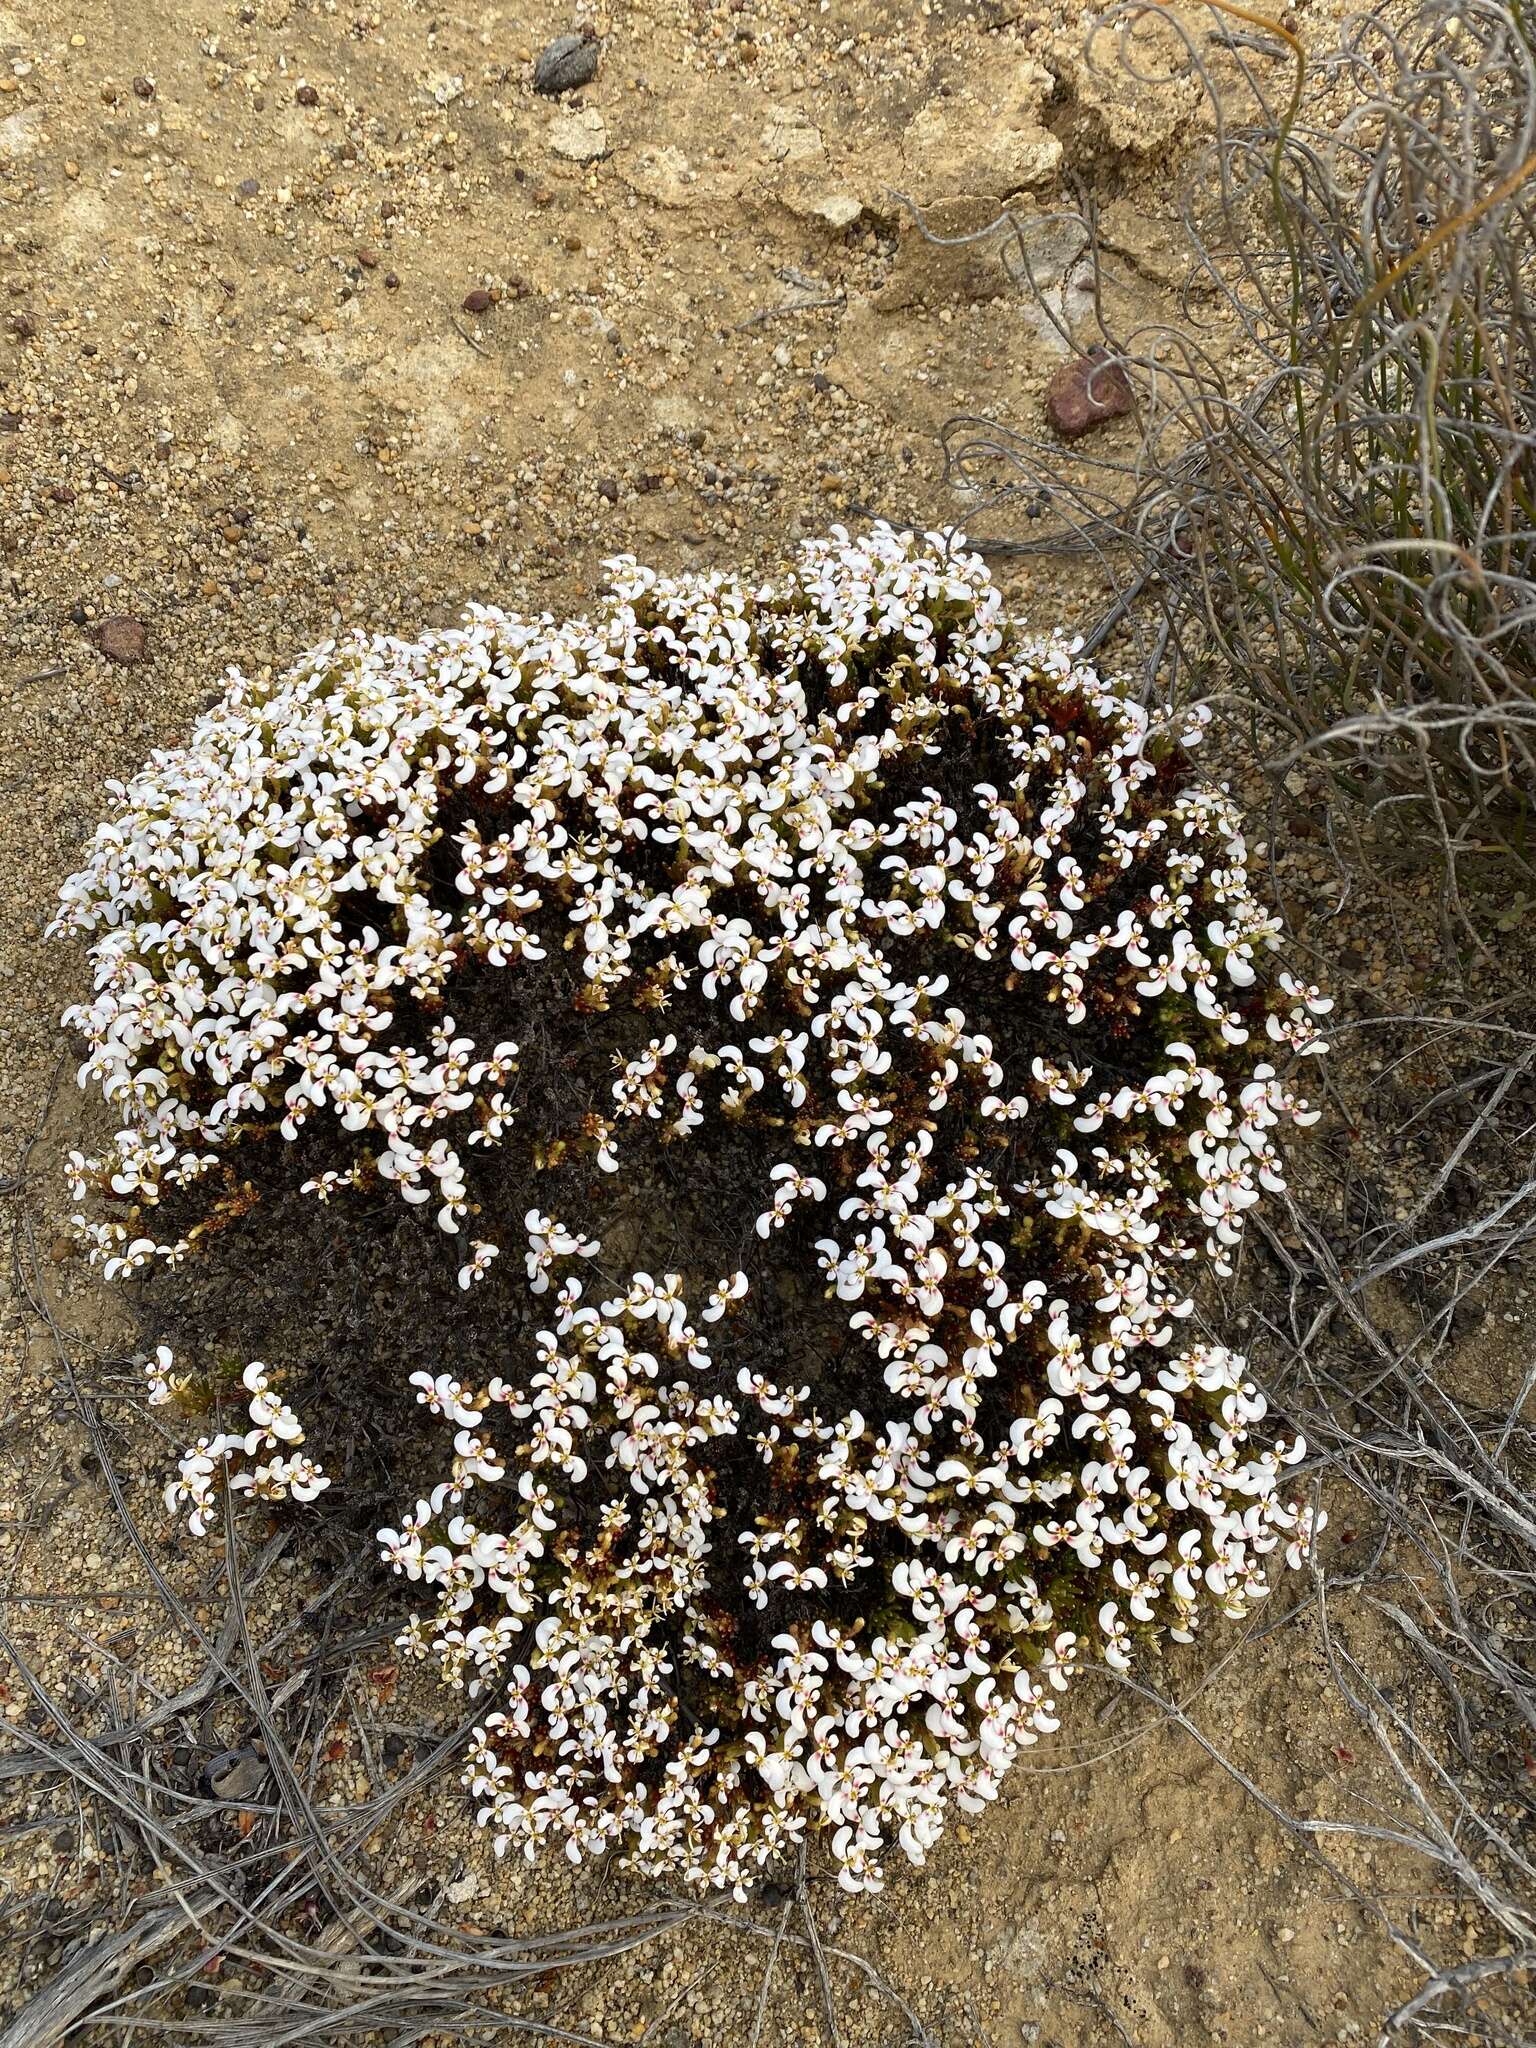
(941, 922)
(288, 1474)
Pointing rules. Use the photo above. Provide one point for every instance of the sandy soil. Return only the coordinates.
(244, 404)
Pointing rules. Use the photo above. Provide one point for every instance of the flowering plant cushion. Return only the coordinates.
(896, 968)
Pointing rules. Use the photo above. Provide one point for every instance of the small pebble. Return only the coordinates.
(580, 135)
(235, 1775)
(1086, 392)
(122, 638)
(307, 96)
(566, 63)
(478, 301)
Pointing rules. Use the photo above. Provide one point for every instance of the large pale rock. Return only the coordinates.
(580, 135)
(800, 174)
(983, 138)
(790, 136)
(816, 201)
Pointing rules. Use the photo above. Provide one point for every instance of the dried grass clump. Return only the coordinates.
(883, 958)
(1334, 521)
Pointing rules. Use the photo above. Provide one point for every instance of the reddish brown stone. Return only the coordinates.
(1086, 392)
(122, 638)
(478, 301)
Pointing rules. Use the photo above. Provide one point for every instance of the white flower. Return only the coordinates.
(158, 1376)
(481, 1253)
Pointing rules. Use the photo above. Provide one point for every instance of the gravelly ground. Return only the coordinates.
(244, 405)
